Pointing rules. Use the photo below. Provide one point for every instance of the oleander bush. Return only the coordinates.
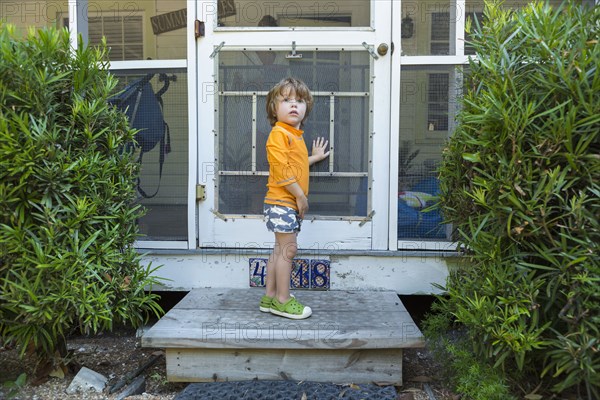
(67, 224)
(472, 377)
(520, 181)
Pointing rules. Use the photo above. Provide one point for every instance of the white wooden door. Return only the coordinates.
(247, 48)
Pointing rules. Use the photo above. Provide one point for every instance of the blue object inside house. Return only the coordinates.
(142, 107)
(413, 221)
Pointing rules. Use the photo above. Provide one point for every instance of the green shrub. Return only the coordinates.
(470, 376)
(520, 180)
(67, 224)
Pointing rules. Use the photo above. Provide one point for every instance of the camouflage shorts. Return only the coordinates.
(281, 219)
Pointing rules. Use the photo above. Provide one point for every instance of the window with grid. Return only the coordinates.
(340, 85)
(124, 35)
(437, 102)
(440, 34)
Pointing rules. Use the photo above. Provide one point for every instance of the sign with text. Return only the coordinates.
(169, 21)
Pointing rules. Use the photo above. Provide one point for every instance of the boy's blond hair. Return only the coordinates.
(290, 86)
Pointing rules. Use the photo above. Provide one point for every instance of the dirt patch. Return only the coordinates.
(115, 355)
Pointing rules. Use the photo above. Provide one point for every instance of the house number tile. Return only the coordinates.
(300, 274)
(306, 273)
(319, 274)
(258, 272)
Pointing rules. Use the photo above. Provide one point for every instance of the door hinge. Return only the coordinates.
(200, 192)
(199, 29)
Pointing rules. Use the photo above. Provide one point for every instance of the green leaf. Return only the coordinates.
(66, 191)
(472, 157)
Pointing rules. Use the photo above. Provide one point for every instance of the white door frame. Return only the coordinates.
(457, 40)
(219, 231)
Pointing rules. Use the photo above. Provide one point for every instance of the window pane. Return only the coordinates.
(351, 134)
(140, 29)
(427, 107)
(474, 9)
(95, 29)
(440, 25)
(437, 102)
(115, 52)
(113, 30)
(297, 13)
(427, 28)
(338, 196)
(133, 52)
(243, 194)
(340, 85)
(33, 13)
(166, 217)
(341, 196)
(135, 32)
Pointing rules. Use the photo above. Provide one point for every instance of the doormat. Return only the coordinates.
(284, 390)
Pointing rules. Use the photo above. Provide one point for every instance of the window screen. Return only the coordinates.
(437, 104)
(339, 82)
(166, 204)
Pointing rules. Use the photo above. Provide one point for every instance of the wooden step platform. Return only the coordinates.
(219, 335)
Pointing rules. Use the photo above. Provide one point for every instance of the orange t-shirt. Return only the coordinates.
(288, 163)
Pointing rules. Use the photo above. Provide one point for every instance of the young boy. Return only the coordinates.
(288, 106)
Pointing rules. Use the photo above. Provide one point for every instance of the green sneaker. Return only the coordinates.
(265, 303)
(290, 309)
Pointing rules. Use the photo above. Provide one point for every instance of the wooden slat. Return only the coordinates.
(341, 366)
(239, 329)
(240, 299)
(219, 334)
(229, 318)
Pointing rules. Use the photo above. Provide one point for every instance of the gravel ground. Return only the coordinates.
(116, 354)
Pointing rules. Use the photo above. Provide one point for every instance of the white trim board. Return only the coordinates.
(404, 274)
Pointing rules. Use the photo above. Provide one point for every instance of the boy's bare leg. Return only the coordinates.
(270, 278)
(284, 252)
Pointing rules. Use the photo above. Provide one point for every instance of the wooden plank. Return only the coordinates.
(228, 318)
(252, 329)
(339, 366)
(341, 320)
(248, 299)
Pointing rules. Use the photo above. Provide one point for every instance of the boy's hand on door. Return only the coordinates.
(318, 150)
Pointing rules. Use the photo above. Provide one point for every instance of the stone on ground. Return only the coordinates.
(87, 380)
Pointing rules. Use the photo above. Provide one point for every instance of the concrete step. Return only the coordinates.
(219, 334)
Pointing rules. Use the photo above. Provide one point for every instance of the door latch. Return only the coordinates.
(293, 54)
(370, 50)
